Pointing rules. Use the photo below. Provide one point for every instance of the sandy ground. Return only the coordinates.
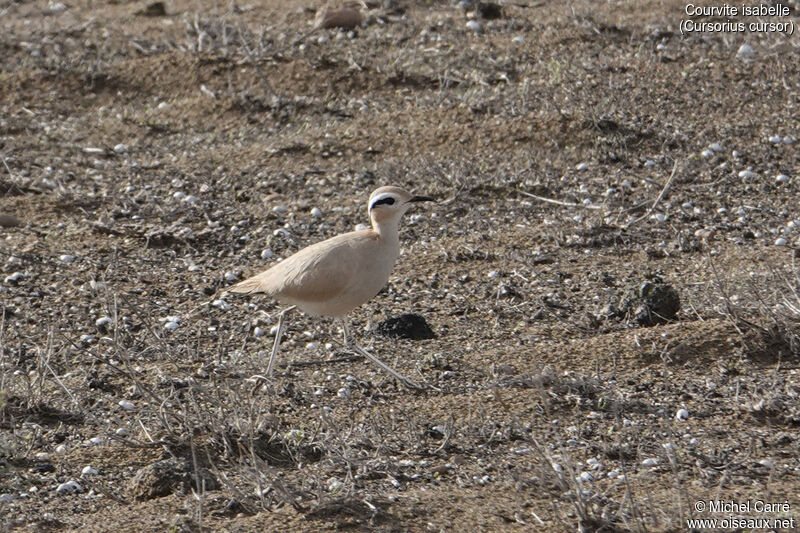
(593, 166)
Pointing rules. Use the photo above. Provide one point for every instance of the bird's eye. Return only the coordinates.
(388, 201)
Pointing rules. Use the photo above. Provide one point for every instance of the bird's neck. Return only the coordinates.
(387, 230)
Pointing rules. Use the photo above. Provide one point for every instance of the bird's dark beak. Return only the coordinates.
(421, 199)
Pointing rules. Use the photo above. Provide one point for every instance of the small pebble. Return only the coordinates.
(316, 213)
(162, 106)
(280, 209)
(782, 178)
(582, 166)
(122, 432)
(649, 163)
(780, 241)
(61, 449)
(360, 227)
(258, 332)
(191, 199)
(230, 276)
(766, 463)
(70, 487)
(343, 393)
(518, 39)
(102, 322)
(127, 405)
(97, 440)
(716, 147)
(222, 305)
(475, 26)
(267, 254)
(649, 462)
(178, 195)
(13, 278)
(121, 148)
(705, 154)
(747, 174)
(88, 471)
(171, 326)
(682, 414)
(776, 139)
(745, 51)
(334, 484)
(586, 477)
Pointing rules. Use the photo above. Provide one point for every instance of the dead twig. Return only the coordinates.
(559, 202)
(658, 198)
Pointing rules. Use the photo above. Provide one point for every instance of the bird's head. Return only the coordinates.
(387, 204)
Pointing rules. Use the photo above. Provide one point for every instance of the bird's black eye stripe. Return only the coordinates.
(388, 201)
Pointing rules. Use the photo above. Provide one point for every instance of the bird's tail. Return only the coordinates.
(248, 286)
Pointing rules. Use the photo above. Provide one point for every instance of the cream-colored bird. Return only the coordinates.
(333, 277)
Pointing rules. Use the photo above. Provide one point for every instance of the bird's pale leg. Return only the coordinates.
(277, 343)
(386, 368)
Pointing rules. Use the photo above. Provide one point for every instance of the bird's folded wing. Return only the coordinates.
(317, 273)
